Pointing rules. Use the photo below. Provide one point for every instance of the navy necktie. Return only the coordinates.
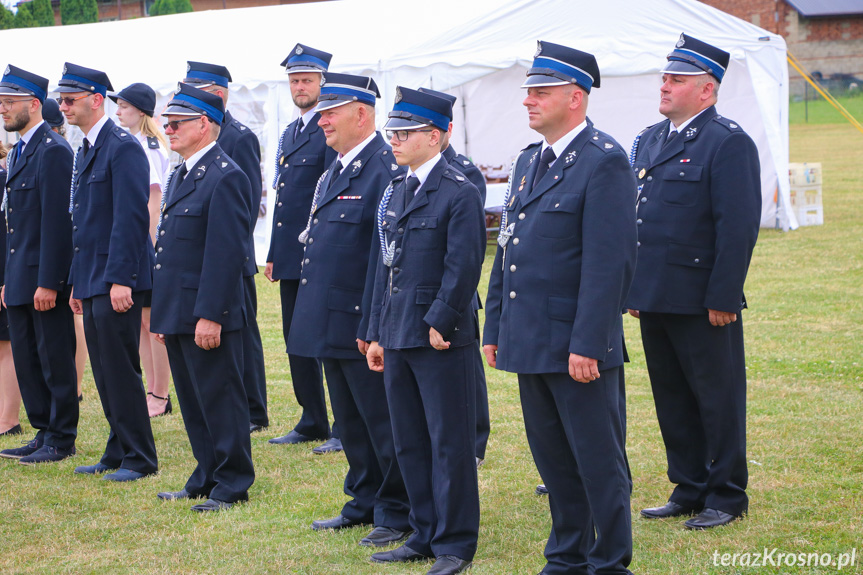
(671, 138)
(336, 171)
(545, 160)
(412, 184)
(298, 128)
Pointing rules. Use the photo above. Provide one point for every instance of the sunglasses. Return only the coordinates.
(175, 124)
(402, 135)
(69, 101)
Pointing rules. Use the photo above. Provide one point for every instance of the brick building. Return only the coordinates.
(826, 37)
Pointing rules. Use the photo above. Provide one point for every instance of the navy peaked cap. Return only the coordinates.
(414, 109)
(556, 65)
(190, 101)
(443, 95)
(199, 73)
(80, 79)
(341, 89)
(51, 113)
(139, 95)
(18, 82)
(306, 59)
(691, 57)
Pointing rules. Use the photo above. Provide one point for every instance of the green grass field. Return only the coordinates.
(806, 474)
(822, 112)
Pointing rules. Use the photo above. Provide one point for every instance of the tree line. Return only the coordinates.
(35, 13)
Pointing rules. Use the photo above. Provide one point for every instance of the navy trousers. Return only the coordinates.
(375, 481)
(213, 401)
(254, 374)
(432, 401)
(112, 342)
(306, 374)
(43, 350)
(483, 421)
(576, 435)
(698, 375)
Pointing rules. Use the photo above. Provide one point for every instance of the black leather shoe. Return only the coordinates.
(448, 565)
(401, 554)
(181, 494)
(340, 522)
(47, 454)
(670, 509)
(541, 489)
(28, 448)
(253, 427)
(710, 518)
(95, 469)
(331, 445)
(383, 536)
(14, 430)
(212, 505)
(293, 438)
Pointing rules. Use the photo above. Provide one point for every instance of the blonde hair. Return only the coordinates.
(4, 150)
(151, 129)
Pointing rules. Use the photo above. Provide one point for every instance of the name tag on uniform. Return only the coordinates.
(391, 213)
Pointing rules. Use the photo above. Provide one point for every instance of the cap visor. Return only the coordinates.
(538, 80)
(330, 104)
(682, 68)
(11, 91)
(295, 69)
(175, 110)
(71, 89)
(404, 124)
(194, 82)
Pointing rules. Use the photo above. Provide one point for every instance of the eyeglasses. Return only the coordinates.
(402, 135)
(8, 102)
(69, 101)
(175, 124)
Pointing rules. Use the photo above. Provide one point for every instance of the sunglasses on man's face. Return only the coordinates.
(175, 124)
(69, 101)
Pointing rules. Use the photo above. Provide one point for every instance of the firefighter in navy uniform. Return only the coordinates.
(699, 211)
(553, 313)
(241, 144)
(302, 157)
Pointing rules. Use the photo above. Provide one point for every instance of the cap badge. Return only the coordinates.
(538, 49)
(64, 69)
(188, 67)
(398, 94)
(357, 165)
(9, 71)
(179, 87)
(681, 41)
(323, 80)
(299, 50)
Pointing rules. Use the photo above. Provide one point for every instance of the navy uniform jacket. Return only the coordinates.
(439, 248)
(559, 286)
(337, 277)
(466, 167)
(699, 212)
(300, 165)
(201, 248)
(39, 231)
(110, 218)
(241, 144)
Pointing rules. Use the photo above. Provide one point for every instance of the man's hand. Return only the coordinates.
(44, 299)
(583, 369)
(490, 352)
(160, 337)
(634, 313)
(363, 346)
(121, 298)
(75, 304)
(3, 296)
(721, 318)
(375, 357)
(436, 340)
(268, 272)
(208, 334)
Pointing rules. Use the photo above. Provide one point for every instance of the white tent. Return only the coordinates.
(480, 55)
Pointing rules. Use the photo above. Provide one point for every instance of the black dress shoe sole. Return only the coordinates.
(383, 542)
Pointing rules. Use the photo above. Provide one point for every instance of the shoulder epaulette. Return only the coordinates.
(729, 124)
(602, 141)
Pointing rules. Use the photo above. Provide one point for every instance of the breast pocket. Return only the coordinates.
(424, 234)
(344, 220)
(681, 185)
(305, 169)
(99, 187)
(23, 194)
(189, 222)
(557, 212)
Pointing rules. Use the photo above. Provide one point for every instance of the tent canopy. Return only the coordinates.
(481, 57)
